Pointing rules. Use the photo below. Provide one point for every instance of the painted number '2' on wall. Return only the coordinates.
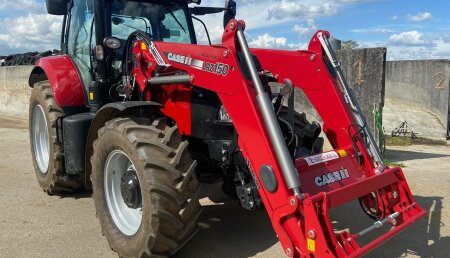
(440, 78)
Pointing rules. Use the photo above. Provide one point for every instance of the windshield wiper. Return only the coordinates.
(130, 26)
(175, 18)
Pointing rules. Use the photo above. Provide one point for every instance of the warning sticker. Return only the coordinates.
(322, 157)
(311, 245)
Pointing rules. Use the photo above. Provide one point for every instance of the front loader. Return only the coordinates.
(137, 111)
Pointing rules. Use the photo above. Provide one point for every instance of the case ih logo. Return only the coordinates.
(332, 177)
(186, 60)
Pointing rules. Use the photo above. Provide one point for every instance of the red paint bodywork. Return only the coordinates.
(64, 80)
(308, 71)
(291, 217)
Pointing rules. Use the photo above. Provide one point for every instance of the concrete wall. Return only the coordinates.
(423, 85)
(14, 90)
(364, 70)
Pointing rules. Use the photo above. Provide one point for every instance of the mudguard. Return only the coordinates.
(63, 77)
(106, 113)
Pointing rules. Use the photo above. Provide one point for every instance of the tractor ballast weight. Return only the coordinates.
(217, 98)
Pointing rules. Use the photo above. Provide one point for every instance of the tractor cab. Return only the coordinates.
(96, 46)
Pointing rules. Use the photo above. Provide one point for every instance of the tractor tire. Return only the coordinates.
(47, 152)
(152, 163)
(306, 132)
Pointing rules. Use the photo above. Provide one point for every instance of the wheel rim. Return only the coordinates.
(126, 219)
(41, 139)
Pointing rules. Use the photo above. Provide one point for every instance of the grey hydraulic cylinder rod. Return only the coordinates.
(173, 79)
(290, 173)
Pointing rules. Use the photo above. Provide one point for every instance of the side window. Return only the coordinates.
(79, 39)
(175, 22)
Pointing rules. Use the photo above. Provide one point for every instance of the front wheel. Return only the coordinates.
(145, 187)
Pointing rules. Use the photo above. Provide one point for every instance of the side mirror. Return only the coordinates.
(57, 7)
(117, 20)
(230, 12)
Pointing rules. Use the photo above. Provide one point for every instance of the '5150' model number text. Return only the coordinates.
(217, 68)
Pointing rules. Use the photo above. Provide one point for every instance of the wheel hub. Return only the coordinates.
(123, 192)
(130, 189)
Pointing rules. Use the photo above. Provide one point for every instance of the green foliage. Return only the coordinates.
(349, 44)
(393, 163)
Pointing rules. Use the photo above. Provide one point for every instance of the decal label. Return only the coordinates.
(252, 173)
(215, 68)
(155, 53)
(332, 177)
(311, 245)
(322, 157)
(186, 60)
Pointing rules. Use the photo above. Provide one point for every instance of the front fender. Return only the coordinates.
(109, 112)
(63, 77)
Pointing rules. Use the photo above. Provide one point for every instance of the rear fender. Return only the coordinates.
(111, 111)
(63, 77)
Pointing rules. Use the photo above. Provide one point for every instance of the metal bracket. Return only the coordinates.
(277, 222)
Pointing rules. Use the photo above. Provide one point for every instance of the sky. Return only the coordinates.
(410, 29)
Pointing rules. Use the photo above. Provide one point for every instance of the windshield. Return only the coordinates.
(163, 22)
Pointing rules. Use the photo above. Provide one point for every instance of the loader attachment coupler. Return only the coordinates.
(330, 180)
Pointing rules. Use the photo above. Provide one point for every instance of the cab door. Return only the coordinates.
(79, 40)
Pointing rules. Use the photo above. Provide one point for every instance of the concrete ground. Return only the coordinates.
(33, 224)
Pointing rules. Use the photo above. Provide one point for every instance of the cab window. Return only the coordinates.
(166, 22)
(79, 40)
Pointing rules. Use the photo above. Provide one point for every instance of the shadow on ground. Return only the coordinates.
(403, 155)
(423, 238)
(227, 230)
(81, 194)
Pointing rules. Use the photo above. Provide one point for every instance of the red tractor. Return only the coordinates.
(137, 111)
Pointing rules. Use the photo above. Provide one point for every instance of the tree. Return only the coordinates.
(349, 44)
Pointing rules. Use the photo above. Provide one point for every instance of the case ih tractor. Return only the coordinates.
(137, 111)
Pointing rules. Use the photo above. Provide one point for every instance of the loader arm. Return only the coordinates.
(298, 205)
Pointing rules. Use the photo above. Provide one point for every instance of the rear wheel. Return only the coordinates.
(145, 187)
(47, 152)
